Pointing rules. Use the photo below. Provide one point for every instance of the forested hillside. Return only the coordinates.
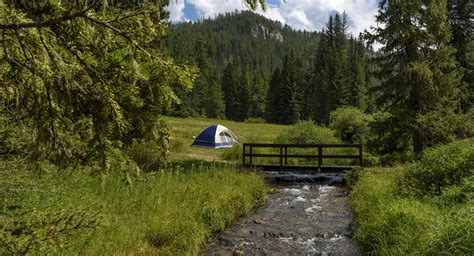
(236, 54)
(239, 53)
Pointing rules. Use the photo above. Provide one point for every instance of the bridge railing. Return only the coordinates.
(249, 154)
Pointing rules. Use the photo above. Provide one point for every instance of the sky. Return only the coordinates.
(310, 15)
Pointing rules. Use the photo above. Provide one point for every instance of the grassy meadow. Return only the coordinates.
(174, 211)
(183, 130)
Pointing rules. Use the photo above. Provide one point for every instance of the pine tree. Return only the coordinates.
(331, 77)
(244, 95)
(356, 90)
(416, 67)
(207, 98)
(273, 106)
(321, 78)
(339, 79)
(85, 75)
(230, 87)
(287, 94)
(461, 20)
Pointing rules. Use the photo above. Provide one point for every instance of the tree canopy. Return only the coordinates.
(84, 74)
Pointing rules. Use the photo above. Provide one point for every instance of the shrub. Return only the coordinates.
(466, 123)
(461, 193)
(151, 152)
(386, 139)
(439, 168)
(396, 158)
(350, 124)
(306, 132)
(147, 154)
(234, 153)
(369, 160)
(15, 139)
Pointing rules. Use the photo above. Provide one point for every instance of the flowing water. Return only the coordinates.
(309, 215)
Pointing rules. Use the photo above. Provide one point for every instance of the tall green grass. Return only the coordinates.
(423, 209)
(170, 212)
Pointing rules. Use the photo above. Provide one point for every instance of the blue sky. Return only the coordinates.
(300, 14)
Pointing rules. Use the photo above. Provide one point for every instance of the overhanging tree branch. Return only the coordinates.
(47, 23)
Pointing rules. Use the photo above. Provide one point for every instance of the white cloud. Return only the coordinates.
(176, 9)
(273, 12)
(300, 14)
(211, 8)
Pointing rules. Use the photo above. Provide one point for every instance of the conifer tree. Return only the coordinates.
(339, 79)
(284, 101)
(320, 80)
(230, 87)
(331, 77)
(416, 68)
(355, 89)
(273, 106)
(461, 20)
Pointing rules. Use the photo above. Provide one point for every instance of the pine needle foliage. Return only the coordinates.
(85, 75)
(417, 69)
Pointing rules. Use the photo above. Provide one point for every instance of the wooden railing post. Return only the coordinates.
(251, 152)
(286, 155)
(243, 154)
(281, 156)
(320, 156)
(360, 155)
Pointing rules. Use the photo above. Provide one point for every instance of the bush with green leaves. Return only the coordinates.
(441, 167)
(350, 124)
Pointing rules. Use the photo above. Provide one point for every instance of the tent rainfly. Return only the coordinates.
(216, 136)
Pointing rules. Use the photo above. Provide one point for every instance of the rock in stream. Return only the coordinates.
(309, 215)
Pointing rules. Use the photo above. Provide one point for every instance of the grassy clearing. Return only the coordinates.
(422, 209)
(171, 212)
(183, 130)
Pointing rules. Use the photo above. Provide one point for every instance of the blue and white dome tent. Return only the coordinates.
(216, 136)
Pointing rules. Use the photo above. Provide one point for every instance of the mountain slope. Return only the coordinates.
(247, 45)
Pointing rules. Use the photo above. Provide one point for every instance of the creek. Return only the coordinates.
(308, 215)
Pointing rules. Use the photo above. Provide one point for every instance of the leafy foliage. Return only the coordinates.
(85, 75)
(306, 132)
(44, 232)
(441, 167)
(350, 124)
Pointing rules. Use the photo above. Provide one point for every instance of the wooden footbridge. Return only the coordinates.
(313, 156)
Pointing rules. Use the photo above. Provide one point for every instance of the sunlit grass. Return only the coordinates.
(389, 224)
(171, 212)
(183, 130)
